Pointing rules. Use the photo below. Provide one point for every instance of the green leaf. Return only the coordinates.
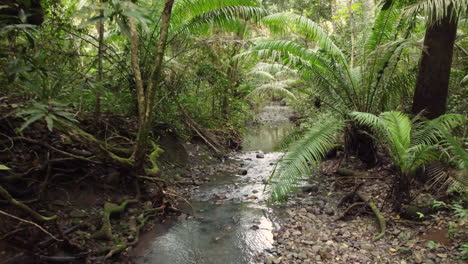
(50, 123)
(3, 167)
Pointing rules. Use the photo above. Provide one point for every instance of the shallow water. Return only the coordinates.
(232, 220)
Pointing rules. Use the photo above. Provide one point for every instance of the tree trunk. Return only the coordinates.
(144, 121)
(100, 28)
(434, 69)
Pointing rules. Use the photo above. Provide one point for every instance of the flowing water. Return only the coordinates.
(233, 222)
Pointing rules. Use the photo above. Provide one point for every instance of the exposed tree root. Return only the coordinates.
(380, 218)
(105, 232)
(7, 196)
(349, 209)
(366, 200)
(55, 149)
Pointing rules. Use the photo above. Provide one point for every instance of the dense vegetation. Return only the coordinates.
(95, 83)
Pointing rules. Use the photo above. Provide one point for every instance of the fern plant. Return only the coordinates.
(370, 82)
(52, 113)
(410, 143)
(303, 153)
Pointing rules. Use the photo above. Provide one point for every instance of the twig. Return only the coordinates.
(31, 223)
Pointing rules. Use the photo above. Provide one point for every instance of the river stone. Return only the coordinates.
(260, 155)
(309, 188)
(241, 171)
(329, 211)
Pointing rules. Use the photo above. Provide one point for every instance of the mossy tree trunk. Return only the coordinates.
(146, 94)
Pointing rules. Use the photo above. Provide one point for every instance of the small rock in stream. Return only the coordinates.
(241, 171)
(260, 155)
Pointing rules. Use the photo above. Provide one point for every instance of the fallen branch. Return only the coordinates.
(31, 223)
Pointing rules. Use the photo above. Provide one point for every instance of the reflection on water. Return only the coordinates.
(265, 137)
(232, 232)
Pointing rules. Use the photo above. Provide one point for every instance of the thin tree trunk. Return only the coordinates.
(351, 21)
(154, 81)
(136, 69)
(97, 109)
(434, 69)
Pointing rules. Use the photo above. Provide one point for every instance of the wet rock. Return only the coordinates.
(241, 171)
(309, 188)
(260, 155)
(255, 227)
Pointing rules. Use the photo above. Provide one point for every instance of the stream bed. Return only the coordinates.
(232, 222)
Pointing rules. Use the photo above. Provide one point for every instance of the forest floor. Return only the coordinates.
(57, 176)
(316, 230)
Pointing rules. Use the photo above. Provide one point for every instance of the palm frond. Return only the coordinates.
(273, 88)
(286, 22)
(436, 10)
(307, 151)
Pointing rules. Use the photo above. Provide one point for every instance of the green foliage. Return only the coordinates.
(306, 152)
(52, 112)
(410, 143)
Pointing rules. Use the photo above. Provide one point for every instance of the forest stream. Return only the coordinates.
(232, 222)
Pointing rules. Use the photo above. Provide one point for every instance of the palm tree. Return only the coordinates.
(410, 143)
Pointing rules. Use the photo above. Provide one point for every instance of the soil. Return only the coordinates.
(312, 233)
(77, 191)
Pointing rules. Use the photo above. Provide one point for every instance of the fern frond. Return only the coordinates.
(309, 150)
(286, 22)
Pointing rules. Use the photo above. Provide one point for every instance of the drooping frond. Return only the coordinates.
(272, 68)
(436, 10)
(383, 29)
(293, 136)
(263, 75)
(286, 22)
(271, 88)
(327, 74)
(307, 151)
(191, 15)
(431, 131)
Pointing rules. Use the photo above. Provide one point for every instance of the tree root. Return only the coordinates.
(55, 149)
(349, 209)
(366, 200)
(7, 196)
(380, 218)
(105, 232)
